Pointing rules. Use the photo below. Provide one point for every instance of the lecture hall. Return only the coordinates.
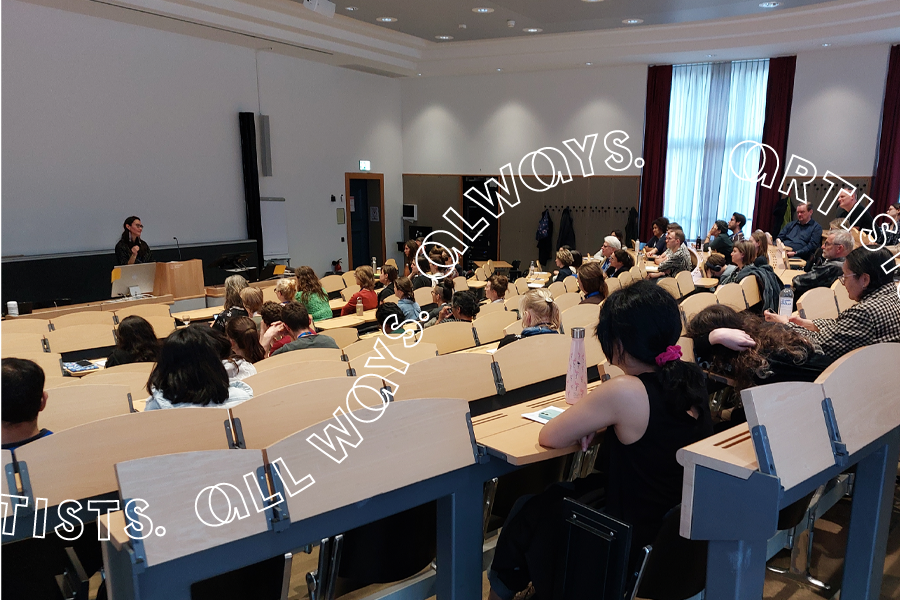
(481, 299)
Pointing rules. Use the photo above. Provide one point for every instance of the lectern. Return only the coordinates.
(182, 279)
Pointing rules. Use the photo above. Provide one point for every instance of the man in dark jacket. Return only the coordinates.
(837, 246)
(804, 235)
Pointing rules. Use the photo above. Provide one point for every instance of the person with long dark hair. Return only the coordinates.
(311, 294)
(657, 407)
(135, 342)
(620, 262)
(189, 372)
(244, 338)
(131, 249)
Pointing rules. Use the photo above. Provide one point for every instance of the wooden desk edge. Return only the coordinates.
(116, 529)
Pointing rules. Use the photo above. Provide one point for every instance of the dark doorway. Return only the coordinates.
(486, 246)
(365, 227)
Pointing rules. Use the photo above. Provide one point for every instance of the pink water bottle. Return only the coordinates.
(576, 378)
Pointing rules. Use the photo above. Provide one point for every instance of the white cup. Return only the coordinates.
(12, 308)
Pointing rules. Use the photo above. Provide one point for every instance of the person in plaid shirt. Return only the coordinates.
(678, 259)
(874, 319)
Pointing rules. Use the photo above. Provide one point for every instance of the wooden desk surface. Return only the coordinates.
(475, 285)
(200, 314)
(347, 321)
(105, 305)
(337, 303)
(513, 438)
(787, 276)
(498, 264)
(482, 349)
(706, 282)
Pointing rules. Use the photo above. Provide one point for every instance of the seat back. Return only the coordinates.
(135, 380)
(343, 336)
(490, 308)
(567, 301)
(479, 274)
(670, 285)
(419, 352)
(818, 303)
(636, 273)
(450, 337)
(533, 359)
(692, 305)
(583, 315)
(366, 345)
(334, 283)
(612, 285)
(82, 337)
(16, 343)
(437, 428)
(297, 356)
(750, 286)
(278, 413)
(470, 377)
(33, 326)
(512, 302)
(514, 328)
(521, 285)
(841, 296)
(50, 362)
(460, 284)
(571, 283)
(162, 326)
(349, 278)
(285, 375)
(489, 327)
(146, 311)
(75, 405)
(685, 282)
(557, 288)
(348, 291)
(625, 279)
(89, 317)
(392, 298)
(731, 295)
(422, 296)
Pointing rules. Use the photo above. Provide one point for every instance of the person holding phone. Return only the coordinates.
(131, 249)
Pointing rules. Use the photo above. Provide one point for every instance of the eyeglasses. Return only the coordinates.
(842, 277)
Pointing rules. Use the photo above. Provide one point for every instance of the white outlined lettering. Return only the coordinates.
(64, 510)
(224, 489)
(103, 508)
(615, 158)
(801, 169)
(291, 485)
(319, 444)
(484, 200)
(384, 362)
(20, 502)
(256, 492)
(382, 396)
(746, 162)
(834, 185)
(582, 154)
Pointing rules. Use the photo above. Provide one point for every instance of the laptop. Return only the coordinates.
(133, 276)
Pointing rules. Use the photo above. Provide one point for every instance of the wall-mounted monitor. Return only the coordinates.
(410, 212)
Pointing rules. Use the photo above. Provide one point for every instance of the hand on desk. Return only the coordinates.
(733, 339)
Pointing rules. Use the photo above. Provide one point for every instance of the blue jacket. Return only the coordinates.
(410, 309)
(803, 239)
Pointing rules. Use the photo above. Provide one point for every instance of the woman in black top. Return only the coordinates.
(659, 406)
(657, 243)
(131, 249)
(233, 305)
(564, 261)
(388, 277)
(135, 342)
(619, 262)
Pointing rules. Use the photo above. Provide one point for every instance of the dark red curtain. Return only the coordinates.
(656, 135)
(886, 187)
(779, 97)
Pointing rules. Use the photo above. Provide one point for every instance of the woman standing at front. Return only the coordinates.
(131, 249)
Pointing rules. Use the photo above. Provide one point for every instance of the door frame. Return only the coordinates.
(364, 175)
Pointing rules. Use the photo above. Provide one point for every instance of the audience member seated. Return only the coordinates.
(657, 243)
(610, 245)
(659, 406)
(244, 338)
(406, 301)
(235, 366)
(233, 306)
(761, 242)
(617, 233)
(295, 322)
(670, 228)
(135, 342)
(804, 235)
(387, 311)
(592, 283)
(742, 254)
(678, 258)
(847, 201)
(365, 279)
(564, 263)
(387, 278)
(826, 271)
(252, 300)
(719, 240)
(463, 307)
(892, 238)
(874, 319)
(311, 294)
(285, 289)
(409, 256)
(496, 288)
(540, 315)
(716, 268)
(770, 285)
(577, 260)
(271, 315)
(23, 398)
(442, 295)
(190, 373)
(736, 227)
(620, 262)
(419, 278)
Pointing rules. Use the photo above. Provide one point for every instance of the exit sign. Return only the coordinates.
(365, 165)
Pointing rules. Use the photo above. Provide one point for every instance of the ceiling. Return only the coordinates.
(428, 19)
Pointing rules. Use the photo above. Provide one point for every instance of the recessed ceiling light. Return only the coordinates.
(443, 37)
(588, 64)
(633, 21)
(710, 55)
(462, 25)
(386, 19)
(532, 30)
(499, 69)
(482, 11)
(592, 0)
(770, 4)
(351, 8)
(826, 45)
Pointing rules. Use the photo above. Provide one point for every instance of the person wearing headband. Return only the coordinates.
(657, 407)
(540, 315)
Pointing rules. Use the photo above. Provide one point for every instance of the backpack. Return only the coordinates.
(543, 230)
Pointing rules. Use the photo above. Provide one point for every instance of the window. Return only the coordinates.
(714, 107)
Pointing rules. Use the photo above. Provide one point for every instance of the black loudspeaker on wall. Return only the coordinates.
(251, 181)
(265, 146)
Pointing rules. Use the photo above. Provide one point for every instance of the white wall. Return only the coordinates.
(103, 119)
(838, 97)
(475, 124)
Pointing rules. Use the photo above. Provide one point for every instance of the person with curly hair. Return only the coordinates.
(311, 294)
(135, 342)
(365, 279)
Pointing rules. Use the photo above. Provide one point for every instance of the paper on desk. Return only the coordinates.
(542, 416)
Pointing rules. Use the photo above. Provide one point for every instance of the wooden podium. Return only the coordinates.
(182, 279)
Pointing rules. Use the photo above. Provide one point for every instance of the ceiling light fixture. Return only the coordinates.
(482, 11)
(770, 4)
(532, 30)
(826, 45)
(589, 64)
(499, 69)
(633, 21)
(351, 8)
(710, 55)
(592, 0)
(386, 19)
(443, 37)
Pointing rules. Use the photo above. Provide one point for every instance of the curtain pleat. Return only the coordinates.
(656, 127)
(886, 187)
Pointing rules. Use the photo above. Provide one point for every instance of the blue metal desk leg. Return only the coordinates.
(735, 570)
(869, 520)
(459, 542)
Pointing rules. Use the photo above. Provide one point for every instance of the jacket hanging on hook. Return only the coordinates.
(566, 230)
(544, 237)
